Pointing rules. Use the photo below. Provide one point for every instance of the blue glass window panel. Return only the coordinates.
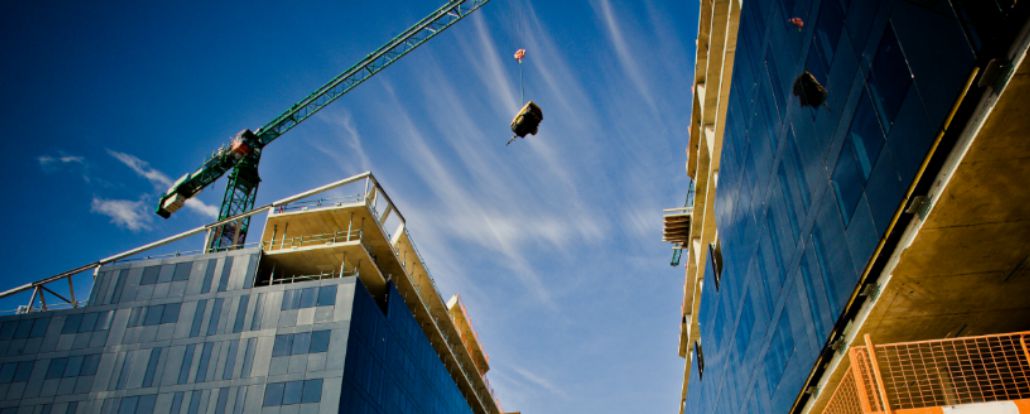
(177, 403)
(56, 368)
(128, 405)
(774, 80)
(866, 135)
(153, 315)
(171, 313)
(320, 341)
(274, 394)
(123, 375)
(146, 403)
(209, 274)
(23, 329)
(135, 317)
(223, 399)
(7, 372)
(205, 359)
(223, 283)
(816, 63)
(307, 298)
(890, 78)
(292, 392)
(812, 298)
(74, 366)
(103, 321)
(326, 295)
(89, 322)
(780, 350)
(187, 363)
(150, 274)
(39, 328)
(847, 180)
(7, 329)
(195, 400)
(90, 363)
(283, 345)
(216, 313)
(824, 271)
(791, 210)
(288, 302)
(230, 361)
(301, 343)
(198, 318)
(148, 376)
(747, 321)
(312, 392)
(828, 29)
(241, 314)
(73, 408)
(23, 371)
(368, 369)
(793, 160)
(248, 358)
(182, 271)
(46, 409)
(255, 322)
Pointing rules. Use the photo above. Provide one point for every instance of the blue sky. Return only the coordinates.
(553, 242)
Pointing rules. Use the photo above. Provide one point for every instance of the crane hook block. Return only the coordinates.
(527, 120)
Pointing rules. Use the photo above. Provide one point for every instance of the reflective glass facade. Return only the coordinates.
(805, 194)
(193, 334)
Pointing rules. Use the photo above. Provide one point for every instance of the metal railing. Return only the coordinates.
(907, 375)
(321, 239)
(319, 203)
(282, 280)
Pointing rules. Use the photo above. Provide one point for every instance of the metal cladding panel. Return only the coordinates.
(806, 193)
(151, 336)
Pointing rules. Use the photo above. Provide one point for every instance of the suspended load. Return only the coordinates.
(527, 120)
(809, 91)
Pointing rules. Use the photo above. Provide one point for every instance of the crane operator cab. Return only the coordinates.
(526, 121)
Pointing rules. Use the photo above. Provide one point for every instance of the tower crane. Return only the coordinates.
(240, 157)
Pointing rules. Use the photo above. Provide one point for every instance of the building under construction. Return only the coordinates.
(858, 234)
(334, 310)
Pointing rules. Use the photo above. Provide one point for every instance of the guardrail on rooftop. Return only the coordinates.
(909, 375)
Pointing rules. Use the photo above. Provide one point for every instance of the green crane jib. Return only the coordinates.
(243, 153)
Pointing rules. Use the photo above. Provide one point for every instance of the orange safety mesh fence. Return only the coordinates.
(889, 377)
(845, 398)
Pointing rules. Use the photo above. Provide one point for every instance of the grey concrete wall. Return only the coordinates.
(177, 335)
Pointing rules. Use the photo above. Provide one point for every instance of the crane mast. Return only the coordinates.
(243, 154)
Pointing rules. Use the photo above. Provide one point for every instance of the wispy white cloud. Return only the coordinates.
(47, 161)
(538, 380)
(161, 181)
(65, 162)
(128, 214)
(344, 147)
(143, 169)
(626, 57)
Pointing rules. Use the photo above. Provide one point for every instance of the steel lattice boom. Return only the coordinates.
(243, 153)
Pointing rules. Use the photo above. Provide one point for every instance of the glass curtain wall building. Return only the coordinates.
(797, 206)
(331, 313)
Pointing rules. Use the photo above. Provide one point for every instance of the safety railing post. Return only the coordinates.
(860, 386)
(874, 367)
(71, 289)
